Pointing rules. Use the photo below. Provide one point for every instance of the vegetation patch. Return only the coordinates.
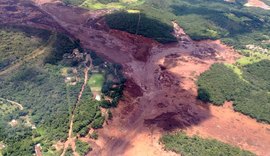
(104, 4)
(82, 148)
(96, 82)
(110, 4)
(7, 107)
(18, 42)
(69, 151)
(250, 92)
(219, 84)
(86, 112)
(107, 80)
(39, 86)
(190, 146)
(47, 86)
(140, 24)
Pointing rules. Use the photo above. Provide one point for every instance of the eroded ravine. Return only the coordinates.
(167, 92)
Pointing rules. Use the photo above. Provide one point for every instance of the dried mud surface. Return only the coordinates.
(258, 4)
(160, 95)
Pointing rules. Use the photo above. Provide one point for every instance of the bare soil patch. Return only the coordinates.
(257, 3)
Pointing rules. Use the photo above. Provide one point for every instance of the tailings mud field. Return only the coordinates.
(160, 94)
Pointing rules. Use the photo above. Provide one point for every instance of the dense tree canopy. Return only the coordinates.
(190, 146)
(250, 95)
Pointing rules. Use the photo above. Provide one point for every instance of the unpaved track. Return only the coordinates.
(167, 100)
(71, 139)
(14, 103)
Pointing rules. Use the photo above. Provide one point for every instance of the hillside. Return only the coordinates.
(46, 80)
(134, 77)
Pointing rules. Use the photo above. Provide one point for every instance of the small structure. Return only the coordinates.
(98, 97)
(13, 123)
(76, 53)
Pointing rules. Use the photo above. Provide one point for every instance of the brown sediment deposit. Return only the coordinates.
(161, 93)
(258, 4)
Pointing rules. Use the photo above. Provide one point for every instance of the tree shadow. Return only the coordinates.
(140, 24)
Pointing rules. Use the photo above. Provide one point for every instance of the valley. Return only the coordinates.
(160, 93)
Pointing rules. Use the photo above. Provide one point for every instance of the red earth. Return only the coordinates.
(160, 95)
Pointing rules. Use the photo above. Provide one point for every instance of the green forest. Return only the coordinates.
(47, 87)
(140, 24)
(28, 39)
(40, 88)
(249, 93)
(193, 145)
(82, 147)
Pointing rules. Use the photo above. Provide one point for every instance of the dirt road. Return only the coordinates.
(71, 139)
(161, 92)
(13, 102)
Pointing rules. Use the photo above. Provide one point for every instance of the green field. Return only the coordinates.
(96, 82)
(104, 4)
(196, 146)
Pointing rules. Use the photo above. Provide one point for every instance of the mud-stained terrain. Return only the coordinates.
(160, 94)
(258, 4)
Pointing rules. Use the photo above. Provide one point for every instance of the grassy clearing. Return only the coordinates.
(191, 146)
(105, 4)
(133, 11)
(252, 57)
(96, 82)
(236, 70)
(91, 4)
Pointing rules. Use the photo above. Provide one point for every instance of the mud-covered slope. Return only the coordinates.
(160, 94)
